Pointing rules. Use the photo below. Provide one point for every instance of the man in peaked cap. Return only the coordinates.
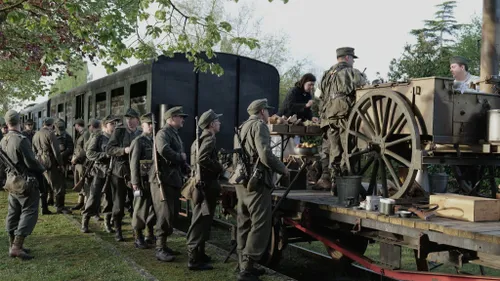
(254, 200)
(337, 95)
(46, 148)
(459, 68)
(171, 161)
(141, 165)
(28, 131)
(96, 151)
(210, 169)
(23, 208)
(78, 160)
(119, 148)
(66, 145)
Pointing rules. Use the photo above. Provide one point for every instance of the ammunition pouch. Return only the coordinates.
(145, 166)
(21, 185)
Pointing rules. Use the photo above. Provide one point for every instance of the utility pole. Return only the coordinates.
(490, 43)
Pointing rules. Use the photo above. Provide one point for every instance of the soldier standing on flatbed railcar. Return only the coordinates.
(23, 208)
(119, 147)
(338, 95)
(96, 151)
(255, 202)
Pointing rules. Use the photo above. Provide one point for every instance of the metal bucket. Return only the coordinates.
(348, 186)
(494, 126)
(438, 182)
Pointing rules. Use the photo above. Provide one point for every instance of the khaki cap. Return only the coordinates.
(258, 105)
(208, 117)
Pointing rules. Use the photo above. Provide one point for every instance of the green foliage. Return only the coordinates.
(44, 38)
(67, 82)
(439, 39)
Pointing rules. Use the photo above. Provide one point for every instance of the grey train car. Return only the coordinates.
(164, 83)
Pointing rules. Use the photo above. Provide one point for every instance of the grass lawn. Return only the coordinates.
(63, 253)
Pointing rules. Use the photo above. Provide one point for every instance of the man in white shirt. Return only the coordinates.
(464, 81)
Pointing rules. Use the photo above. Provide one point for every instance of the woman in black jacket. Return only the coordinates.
(299, 99)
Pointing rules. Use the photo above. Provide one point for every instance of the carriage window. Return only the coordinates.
(53, 110)
(90, 107)
(138, 96)
(69, 112)
(60, 111)
(100, 104)
(117, 101)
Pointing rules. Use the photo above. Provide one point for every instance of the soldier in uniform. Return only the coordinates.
(23, 209)
(96, 151)
(46, 148)
(254, 202)
(210, 169)
(28, 131)
(171, 159)
(141, 162)
(464, 81)
(66, 145)
(119, 147)
(337, 88)
(79, 158)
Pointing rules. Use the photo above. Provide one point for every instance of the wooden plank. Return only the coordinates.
(467, 208)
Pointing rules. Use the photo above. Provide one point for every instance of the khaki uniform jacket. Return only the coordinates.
(256, 140)
(210, 167)
(18, 149)
(79, 152)
(141, 159)
(122, 137)
(96, 151)
(45, 144)
(169, 146)
(338, 92)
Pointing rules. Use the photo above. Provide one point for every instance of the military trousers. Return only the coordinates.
(254, 224)
(57, 185)
(119, 190)
(166, 211)
(336, 144)
(78, 174)
(94, 198)
(22, 213)
(144, 214)
(199, 231)
(325, 156)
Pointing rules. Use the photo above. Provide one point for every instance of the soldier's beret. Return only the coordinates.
(175, 111)
(346, 51)
(459, 60)
(258, 105)
(110, 118)
(48, 121)
(131, 113)
(29, 122)
(12, 117)
(147, 118)
(208, 117)
(80, 122)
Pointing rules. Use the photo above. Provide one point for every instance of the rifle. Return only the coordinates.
(107, 183)
(81, 182)
(245, 158)
(200, 185)
(155, 160)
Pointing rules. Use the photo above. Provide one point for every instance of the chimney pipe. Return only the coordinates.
(490, 43)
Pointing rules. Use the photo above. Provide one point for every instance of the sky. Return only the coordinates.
(377, 30)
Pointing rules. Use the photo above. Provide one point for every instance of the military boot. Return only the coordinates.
(203, 256)
(80, 203)
(161, 254)
(107, 224)
(253, 270)
(139, 240)
(11, 242)
(16, 251)
(195, 262)
(150, 239)
(248, 272)
(85, 224)
(118, 227)
(45, 205)
(323, 184)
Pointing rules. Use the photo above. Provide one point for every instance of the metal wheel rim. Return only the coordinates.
(379, 129)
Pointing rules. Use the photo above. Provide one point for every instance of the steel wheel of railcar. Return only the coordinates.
(382, 131)
(277, 244)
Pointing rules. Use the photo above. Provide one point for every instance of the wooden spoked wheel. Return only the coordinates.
(383, 142)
